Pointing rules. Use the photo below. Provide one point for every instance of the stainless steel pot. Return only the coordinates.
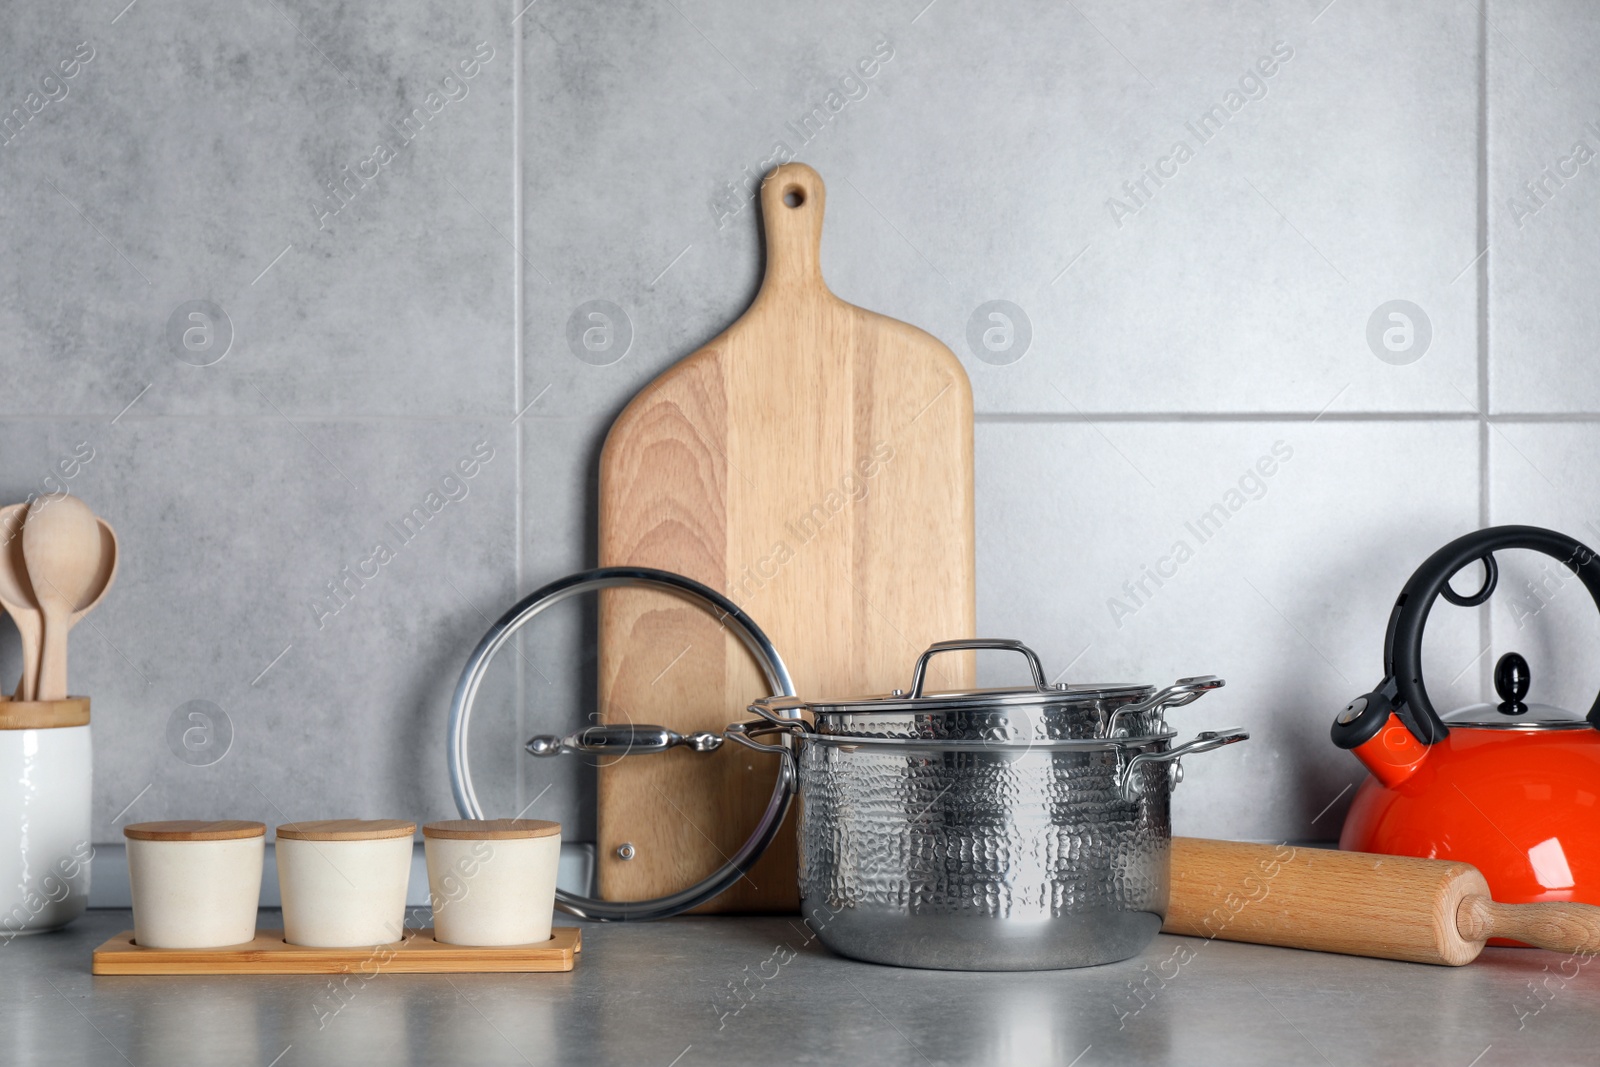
(1000, 829)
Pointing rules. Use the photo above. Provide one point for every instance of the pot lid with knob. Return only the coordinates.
(1040, 711)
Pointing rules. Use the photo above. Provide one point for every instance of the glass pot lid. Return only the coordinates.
(616, 740)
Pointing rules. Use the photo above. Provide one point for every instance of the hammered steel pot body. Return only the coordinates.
(1025, 828)
(1010, 860)
(1075, 716)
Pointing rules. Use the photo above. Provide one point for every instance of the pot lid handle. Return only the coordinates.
(973, 644)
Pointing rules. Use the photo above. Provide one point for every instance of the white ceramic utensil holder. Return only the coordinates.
(195, 884)
(344, 881)
(46, 765)
(492, 881)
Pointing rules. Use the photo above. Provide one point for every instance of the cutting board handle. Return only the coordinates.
(792, 199)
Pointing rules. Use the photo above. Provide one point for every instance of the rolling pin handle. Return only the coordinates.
(1559, 927)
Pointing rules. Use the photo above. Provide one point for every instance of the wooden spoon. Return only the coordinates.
(71, 562)
(16, 594)
(109, 555)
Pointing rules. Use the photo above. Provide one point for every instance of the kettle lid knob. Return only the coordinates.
(1511, 681)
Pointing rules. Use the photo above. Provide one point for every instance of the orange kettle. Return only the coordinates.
(1512, 788)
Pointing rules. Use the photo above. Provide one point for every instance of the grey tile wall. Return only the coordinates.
(1285, 597)
(1544, 132)
(394, 219)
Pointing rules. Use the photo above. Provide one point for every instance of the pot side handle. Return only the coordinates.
(1183, 691)
(1204, 742)
(745, 733)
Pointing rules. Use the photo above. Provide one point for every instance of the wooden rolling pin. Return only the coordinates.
(1357, 903)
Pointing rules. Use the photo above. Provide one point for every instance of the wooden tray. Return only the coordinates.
(269, 953)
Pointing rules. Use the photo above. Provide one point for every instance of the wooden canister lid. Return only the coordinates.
(346, 830)
(43, 714)
(194, 830)
(490, 829)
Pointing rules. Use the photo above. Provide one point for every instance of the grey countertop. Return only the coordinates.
(664, 994)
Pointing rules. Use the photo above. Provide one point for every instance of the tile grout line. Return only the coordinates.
(200, 418)
(1507, 418)
(516, 225)
(517, 237)
(1483, 211)
(1485, 482)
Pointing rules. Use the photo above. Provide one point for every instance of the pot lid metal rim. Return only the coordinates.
(1486, 716)
(1525, 726)
(1083, 744)
(1005, 696)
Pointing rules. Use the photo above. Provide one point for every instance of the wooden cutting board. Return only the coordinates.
(814, 464)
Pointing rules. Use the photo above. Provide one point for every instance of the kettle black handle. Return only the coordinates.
(1402, 647)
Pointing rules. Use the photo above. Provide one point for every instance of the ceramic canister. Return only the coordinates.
(492, 881)
(46, 763)
(344, 881)
(195, 884)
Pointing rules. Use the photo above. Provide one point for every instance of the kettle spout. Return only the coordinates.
(1392, 755)
(1370, 729)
